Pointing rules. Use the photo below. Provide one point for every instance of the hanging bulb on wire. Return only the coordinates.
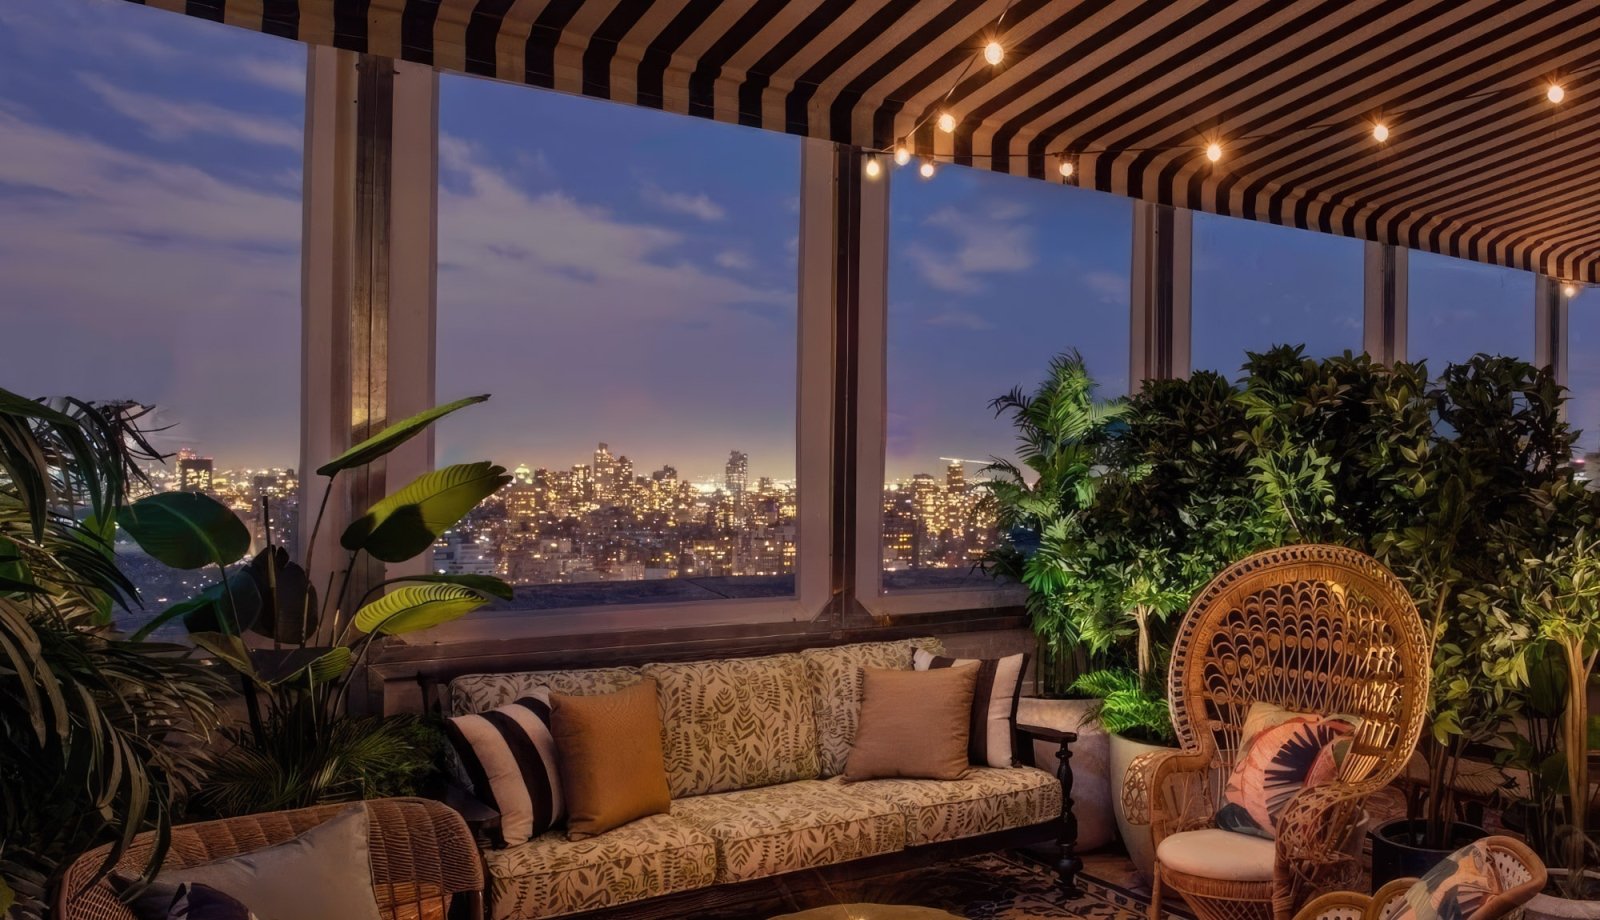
(872, 167)
(1380, 132)
(1555, 93)
(1569, 290)
(1065, 167)
(947, 122)
(994, 52)
(926, 169)
(1214, 151)
(902, 154)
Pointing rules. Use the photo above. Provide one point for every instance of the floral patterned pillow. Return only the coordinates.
(1455, 889)
(1282, 752)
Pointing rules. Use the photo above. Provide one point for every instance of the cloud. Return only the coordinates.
(697, 205)
(734, 260)
(960, 319)
(1109, 287)
(273, 73)
(990, 239)
(169, 120)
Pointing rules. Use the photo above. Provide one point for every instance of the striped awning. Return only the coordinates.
(1479, 164)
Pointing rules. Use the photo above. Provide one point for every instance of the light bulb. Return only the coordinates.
(994, 52)
(1555, 93)
(926, 169)
(872, 167)
(1569, 290)
(1213, 151)
(947, 122)
(1065, 168)
(902, 154)
(1380, 132)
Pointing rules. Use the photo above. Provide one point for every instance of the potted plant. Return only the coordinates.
(1560, 593)
(294, 652)
(100, 737)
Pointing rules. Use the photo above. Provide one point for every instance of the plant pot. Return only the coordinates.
(1397, 852)
(1136, 838)
(1545, 906)
(1091, 754)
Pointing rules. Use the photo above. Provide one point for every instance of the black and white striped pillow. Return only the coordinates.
(994, 703)
(510, 758)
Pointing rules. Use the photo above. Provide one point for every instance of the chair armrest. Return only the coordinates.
(1336, 905)
(1149, 773)
(1068, 865)
(1316, 852)
(479, 817)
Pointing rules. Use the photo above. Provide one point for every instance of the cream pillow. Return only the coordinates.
(913, 724)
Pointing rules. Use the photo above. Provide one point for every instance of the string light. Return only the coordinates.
(1214, 151)
(1555, 93)
(1569, 290)
(902, 154)
(873, 168)
(994, 52)
(1065, 167)
(926, 169)
(947, 122)
(1380, 132)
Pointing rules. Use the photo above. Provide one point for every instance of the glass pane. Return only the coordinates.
(624, 283)
(1257, 285)
(990, 276)
(150, 178)
(1583, 373)
(1460, 308)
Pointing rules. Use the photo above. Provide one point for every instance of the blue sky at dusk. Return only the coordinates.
(608, 273)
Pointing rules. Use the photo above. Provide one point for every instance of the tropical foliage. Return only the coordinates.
(295, 651)
(100, 737)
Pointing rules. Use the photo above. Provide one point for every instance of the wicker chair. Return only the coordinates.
(1521, 873)
(1320, 629)
(422, 858)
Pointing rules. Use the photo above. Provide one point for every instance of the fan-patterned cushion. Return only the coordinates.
(1455, 889)
(1281, 753)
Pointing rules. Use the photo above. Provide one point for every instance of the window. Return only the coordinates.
(990, 276)
(1583, 372)
(1256, 285)
(1459, 308)
(625, 287)
(139, 146)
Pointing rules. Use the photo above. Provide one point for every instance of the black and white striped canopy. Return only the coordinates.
(1479, 164)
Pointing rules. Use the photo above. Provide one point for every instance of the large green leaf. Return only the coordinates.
(406, 523)
(487, 585)
(211, 611)
(185, 530)
(312, 666)
(417, 607)
(292, 614)
(393, 436)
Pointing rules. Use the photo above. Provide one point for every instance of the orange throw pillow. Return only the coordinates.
(609, 748)
(913, 724)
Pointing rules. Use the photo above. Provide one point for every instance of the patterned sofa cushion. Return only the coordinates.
(985, 800)
(737, 723)
(800, 825)
(550, 876)
(834, 675)
(482, 692)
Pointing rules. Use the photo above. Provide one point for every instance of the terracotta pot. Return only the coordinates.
(1091, 753)
(1546, 906)
(1135, 837)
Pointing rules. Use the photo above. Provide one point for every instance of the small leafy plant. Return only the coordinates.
(295, 650)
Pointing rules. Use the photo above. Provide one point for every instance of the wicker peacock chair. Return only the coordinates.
(1317, 629)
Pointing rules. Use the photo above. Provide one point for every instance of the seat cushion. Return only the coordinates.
(1218, 854)
(482, 692)
(736, 723)
(775, 829)
(550, 875)
(982, 801)
(834, 676)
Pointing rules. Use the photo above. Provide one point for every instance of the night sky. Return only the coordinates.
(608, 273)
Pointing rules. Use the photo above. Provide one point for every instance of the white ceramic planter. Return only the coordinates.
(1135, 837)
(1549, 907)
(1091, 774)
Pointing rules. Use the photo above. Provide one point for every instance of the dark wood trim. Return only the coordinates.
(791, 889)
(846, 379)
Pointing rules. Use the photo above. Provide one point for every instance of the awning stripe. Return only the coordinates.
(1478, 165)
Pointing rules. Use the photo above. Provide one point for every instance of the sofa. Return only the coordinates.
(753, 750)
